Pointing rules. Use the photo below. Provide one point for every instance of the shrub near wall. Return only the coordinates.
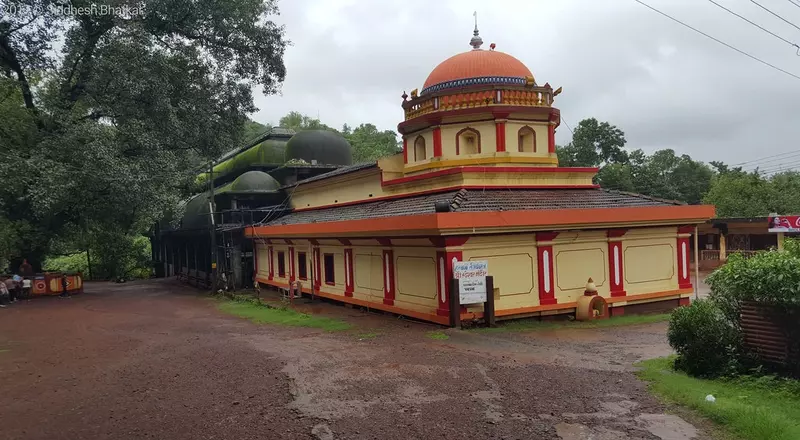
(770, 279)
(706, 342)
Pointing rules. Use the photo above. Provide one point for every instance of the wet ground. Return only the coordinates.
(158, 360)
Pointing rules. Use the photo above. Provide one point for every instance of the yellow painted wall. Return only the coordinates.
(368, 274)
(650, 265)
(415, 279)
(341, 191)
(263, 261)
(427, 134)
(338, 261)
(512, 130)
(488, 138)
(512, 263)
(275, 249)
(574, 264)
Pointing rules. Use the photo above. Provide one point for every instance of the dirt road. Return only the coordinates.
(157, 360)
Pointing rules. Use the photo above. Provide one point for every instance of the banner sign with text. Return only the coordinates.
(471, 276)
(784, 223)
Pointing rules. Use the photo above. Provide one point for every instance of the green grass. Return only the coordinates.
(437, 335)
(261, 314)
(762, 408)
(368, 335)
(533, 324)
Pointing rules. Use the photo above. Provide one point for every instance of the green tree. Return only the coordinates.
(742, 195)
(371, 144)
(299, 122)
(594, 144)
(127, 109)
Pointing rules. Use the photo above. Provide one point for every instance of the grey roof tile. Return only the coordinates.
(477, 201)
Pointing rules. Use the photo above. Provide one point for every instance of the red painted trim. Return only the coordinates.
(684, 280)
(500, 115)
(384, 241)
(616, 233)
(435, 223)
(405, 150)
(546, 236)
(484, 170)
(551, 138)
(615, 268)
(437, 142)
(686, 229)
(292, 273)
(443, 320)
(420, 122)
(271, 263)
(519, 139)
(544, 257)
(387, 265)
(444, 302)
(684, 301)
(317, 269)
(348, 273)
(446, 189)
(617, 311)
(344, 241)
(442, 242)
(443, 305)
(464, 130)
(500, 135)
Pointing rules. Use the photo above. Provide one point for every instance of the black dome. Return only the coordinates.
(323, 146)
(255, 181)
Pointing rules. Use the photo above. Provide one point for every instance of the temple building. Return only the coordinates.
(478, 179)
(249, 188)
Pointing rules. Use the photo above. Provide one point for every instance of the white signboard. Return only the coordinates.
(471, 276)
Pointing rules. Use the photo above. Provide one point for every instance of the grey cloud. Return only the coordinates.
(664, 85)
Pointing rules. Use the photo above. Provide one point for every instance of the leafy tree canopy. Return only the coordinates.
(102, 134)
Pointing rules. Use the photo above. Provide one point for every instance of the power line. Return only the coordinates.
(766, 161)
(567, 125)
(718, 40)
(766, 157)
(784, 20)
(792, 2)
(758, 26)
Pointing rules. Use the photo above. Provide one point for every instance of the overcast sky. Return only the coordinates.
(662, 84)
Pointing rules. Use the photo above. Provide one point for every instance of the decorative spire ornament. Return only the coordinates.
(476, 40)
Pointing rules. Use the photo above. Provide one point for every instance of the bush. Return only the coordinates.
(704, 339)
(771, 277)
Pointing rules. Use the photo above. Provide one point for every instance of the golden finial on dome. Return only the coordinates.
(476, 40)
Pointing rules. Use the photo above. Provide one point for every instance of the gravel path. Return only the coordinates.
(157, 360)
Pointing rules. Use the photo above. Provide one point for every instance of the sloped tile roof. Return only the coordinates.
(476, 201)
(337, 172)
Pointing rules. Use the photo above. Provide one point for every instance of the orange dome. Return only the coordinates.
(489, 65)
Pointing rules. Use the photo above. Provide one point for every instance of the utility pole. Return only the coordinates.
(212, 225)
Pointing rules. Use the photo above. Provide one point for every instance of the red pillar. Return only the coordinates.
(349, 285)
(544, 254)
(291, 264)
(615, 262)
(405, 150)
(437, 142)
(316, 269)
(388, 277)
(444, 272)
(684, 266)
(271, 263)
(551, 133)
(500, 134)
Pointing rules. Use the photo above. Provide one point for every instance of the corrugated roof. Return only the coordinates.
(476, 201)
